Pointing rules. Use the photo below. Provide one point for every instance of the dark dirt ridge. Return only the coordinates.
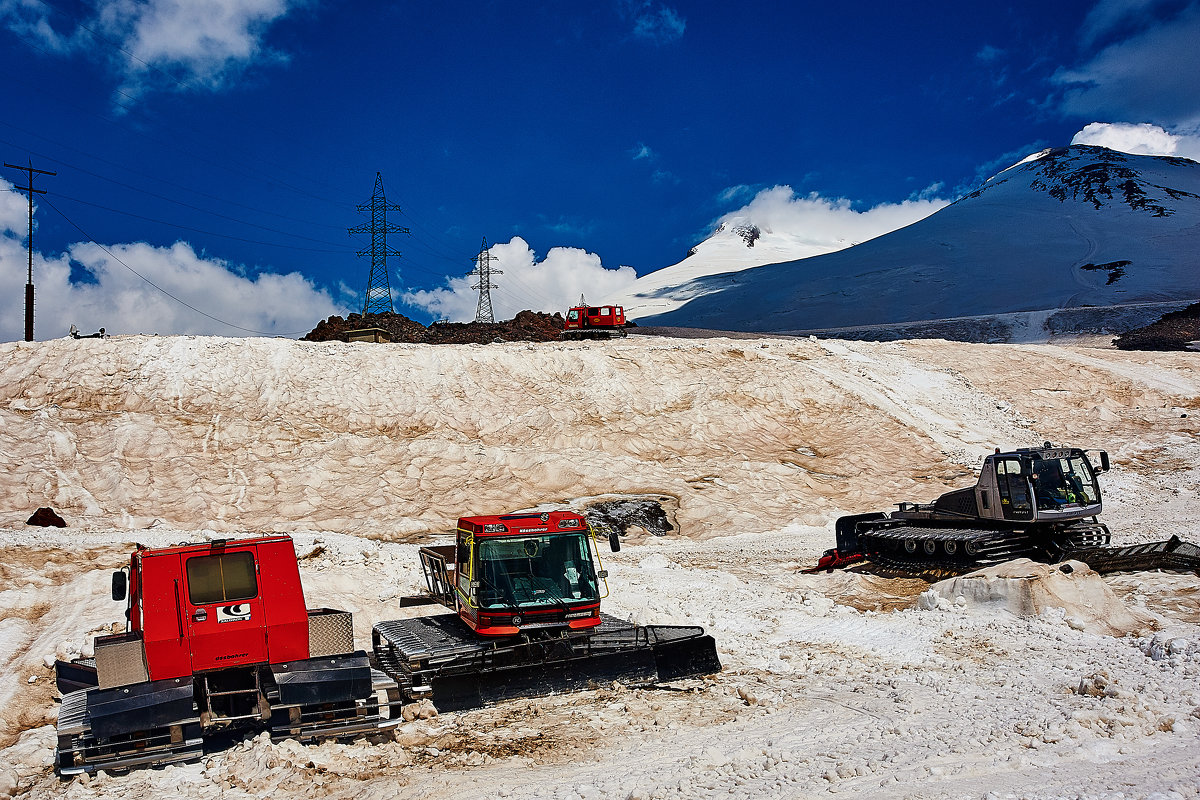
(1174, 331)
(620, 514)
(527, 326)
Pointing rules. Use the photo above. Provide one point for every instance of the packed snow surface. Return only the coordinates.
(1027, 681)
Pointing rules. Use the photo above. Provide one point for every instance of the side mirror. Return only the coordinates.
(614, 541)
(120, 585)
(1104, 463)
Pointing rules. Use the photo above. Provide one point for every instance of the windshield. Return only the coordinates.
(536, 571)
(1059, 482)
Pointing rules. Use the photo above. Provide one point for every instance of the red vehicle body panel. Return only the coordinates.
(190, 624)
(499, 622)
(583, 317)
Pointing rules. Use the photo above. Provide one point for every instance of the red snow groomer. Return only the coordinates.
(219, 640)
(524, 591)
(594, 322)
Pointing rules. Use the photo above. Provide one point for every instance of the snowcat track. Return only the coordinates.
(436, 657)
(945, 551)
(80, 751)
(925, 548)
(334, 721)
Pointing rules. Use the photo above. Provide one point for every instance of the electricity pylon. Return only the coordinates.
(379, 291)
(483, 269)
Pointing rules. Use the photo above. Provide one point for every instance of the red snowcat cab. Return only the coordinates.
(594, 322)
(525, 592)
(219, 639)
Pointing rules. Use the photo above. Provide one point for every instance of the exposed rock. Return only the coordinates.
(46, 518)
(527, 326)
(644, 513)
(1174, 331)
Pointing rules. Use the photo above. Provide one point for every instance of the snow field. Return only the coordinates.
(833, 684)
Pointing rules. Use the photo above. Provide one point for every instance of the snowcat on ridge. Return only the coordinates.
(523, 593)
(594, 322)
(1040, 503)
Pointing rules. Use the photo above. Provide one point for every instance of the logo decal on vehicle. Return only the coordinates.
(238, 612)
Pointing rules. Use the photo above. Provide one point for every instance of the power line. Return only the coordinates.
(205, 232)
(183, 303)
(223, 200)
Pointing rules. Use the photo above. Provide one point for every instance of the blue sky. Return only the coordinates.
(210, 155)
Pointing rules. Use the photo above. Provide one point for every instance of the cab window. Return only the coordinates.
(573, 314)
(223, 578)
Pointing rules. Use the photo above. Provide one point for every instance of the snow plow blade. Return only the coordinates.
(436, 658)
(1173, 554)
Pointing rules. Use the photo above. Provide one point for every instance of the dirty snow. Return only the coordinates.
(833, 684)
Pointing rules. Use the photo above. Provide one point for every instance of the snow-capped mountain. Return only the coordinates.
(736, 244)
(1064, 228)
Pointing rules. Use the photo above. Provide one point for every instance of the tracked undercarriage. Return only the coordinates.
(167, 721)
(902, 545)
(435, 657)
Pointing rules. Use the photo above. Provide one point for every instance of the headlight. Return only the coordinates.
(495, 527)
(568, 523)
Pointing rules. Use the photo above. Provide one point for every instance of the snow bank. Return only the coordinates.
(1029, 589)
(396, 441)
(831, 683)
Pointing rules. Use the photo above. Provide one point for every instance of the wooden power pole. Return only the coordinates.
(29, 284)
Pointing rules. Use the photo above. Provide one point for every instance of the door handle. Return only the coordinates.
(199, 615)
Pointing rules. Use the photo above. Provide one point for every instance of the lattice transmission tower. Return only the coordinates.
(484, 271)
(379, 291)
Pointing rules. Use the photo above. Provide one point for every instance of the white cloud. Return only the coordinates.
(119, 301)
(827, 224)
(988, 53)
(654, 22)
(1151, 75)
(160, 43)
(1141, 139)
(641, 151)
(552, 284)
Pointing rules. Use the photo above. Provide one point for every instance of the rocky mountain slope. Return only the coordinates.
(1069, 227)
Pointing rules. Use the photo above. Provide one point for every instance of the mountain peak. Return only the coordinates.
(1097, 176)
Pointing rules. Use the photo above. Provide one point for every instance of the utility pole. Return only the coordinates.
(29, 284)
(379, 291)
(483, 269)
